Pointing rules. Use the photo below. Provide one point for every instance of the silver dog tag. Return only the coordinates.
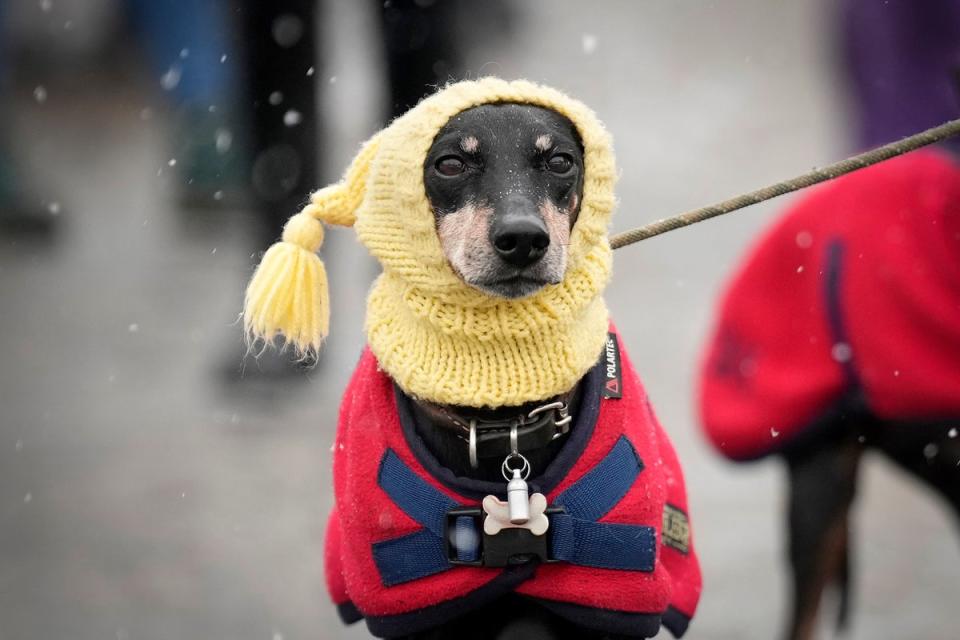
(518, 499)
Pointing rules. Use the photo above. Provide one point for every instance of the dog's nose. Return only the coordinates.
(521, 240)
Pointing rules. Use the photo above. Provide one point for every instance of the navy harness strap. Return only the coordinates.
(413, 494)
(600, 489)
(578, 538)
(575, 535)
(602, 544)
(419, 554)
(407, 558)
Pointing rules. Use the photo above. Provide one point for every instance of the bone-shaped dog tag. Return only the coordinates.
(498, 516)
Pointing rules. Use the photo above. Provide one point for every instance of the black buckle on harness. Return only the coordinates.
(508, 547)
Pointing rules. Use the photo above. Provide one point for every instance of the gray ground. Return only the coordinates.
(141, 498)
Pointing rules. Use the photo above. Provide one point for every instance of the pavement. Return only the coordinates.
(143, 496)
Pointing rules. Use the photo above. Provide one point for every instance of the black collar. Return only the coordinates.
(545, 477)
(522, 429)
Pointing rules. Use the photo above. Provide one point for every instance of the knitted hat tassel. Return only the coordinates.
(288, 294)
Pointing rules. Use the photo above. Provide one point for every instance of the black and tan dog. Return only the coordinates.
(498, 469)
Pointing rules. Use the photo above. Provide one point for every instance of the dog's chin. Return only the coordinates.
(511, 287)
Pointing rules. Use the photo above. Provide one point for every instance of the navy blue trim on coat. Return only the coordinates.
(433, 616)
(621, 623)
(675, 622)
(833, 303)
(349, 613)
(556, 471)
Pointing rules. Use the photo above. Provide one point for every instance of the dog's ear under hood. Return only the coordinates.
(420, 314)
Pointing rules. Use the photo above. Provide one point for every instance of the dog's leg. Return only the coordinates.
(822, 488)
(929, 452)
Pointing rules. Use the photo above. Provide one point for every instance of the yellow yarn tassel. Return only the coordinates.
(288, 294)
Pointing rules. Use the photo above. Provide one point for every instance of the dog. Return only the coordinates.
(840, 336)
(504, 182)
(498, 469)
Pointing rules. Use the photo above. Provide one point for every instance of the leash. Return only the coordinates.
(835, 170)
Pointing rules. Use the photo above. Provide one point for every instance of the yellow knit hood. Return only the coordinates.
(440, 339)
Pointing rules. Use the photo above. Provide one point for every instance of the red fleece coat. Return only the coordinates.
(365, 515)
(852, 300)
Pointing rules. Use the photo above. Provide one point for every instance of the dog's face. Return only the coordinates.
(505, 182)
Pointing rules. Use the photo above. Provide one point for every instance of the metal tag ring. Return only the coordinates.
(507, 470)
(473, 444)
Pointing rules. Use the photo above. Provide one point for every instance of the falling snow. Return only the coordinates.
(40, 94)
(841, 352)
(804, 240)
(28, 498)
(292, 118)
(310, 71)
(54, 208)
(133, 327)
(170, 80)
(774, 433)
(333, 79)
(952, 433)
(275, 98)
(224, 140)
(223, 58)
(184, 53)
(589, 43)
(930, 451)
(46, 5)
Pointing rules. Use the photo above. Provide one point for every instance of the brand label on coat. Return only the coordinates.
(676, 529)
(613, 382)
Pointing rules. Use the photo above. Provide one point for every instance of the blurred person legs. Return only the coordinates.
(192, 55)
(281, 61)
(901, 59)
(421, 48)
(22, 210)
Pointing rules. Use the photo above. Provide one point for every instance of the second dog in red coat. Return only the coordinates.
(842, 332)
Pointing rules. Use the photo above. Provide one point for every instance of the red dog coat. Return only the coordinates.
(626, 558)
(851, 302)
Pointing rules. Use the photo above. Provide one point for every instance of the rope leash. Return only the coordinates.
(854, 163)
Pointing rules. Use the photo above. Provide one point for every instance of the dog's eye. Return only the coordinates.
(450, 166)
(560, 163)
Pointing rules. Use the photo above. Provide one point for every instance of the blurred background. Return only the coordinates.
(154, 483)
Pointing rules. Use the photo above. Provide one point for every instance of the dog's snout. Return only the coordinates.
(520, 238)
